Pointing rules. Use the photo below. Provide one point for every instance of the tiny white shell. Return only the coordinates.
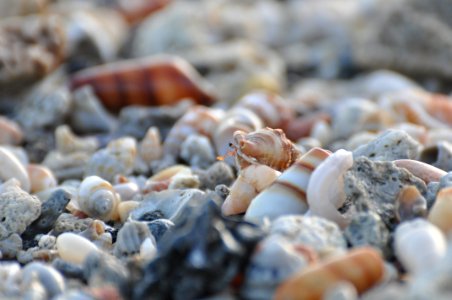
(41, 178)
(11, 167)
(74, 248)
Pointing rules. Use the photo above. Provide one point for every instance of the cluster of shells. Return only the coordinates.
(116, 115)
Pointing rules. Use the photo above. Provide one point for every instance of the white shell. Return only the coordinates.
(11, 167)
(148, 249)
(97, 198)
(326, 189)
(419, 245)
(67, 142)
(41, 178)
(74, 248)
(150, 147)
(126, 190)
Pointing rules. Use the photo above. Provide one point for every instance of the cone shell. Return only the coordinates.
(362, 267)
(74, 248)
(11, 167)
(410, 204)
(266, 146)
(287, 195)
(41, 178)
(441, 211)
(162, 80)
(250, 182)
(10, 132)
(424, 171)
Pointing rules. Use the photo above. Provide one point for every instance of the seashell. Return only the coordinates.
(438, 155)
(124, 209)
(325, 193)
(440, 107)
(235, 119)
(117, 158)
(11, 134)
(302, 126)
(184, 180)
(168, 173)
(197, 120)
(160, 80)
(41, 178)
(126, 190)
(130, 237)
(74, 248)
(426, 172)
(150, 147)
(97, 234)
(287, 195)
(12, 168)
(410, 204)
(273, 110)
(246, 187)
(50, 278)
(362, 267)
(67, 142)
(419, 245)
(442, 210)
(23, 7)
(98, 199)
(264, 146)
(139, 10)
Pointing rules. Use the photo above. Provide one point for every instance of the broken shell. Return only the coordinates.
(97, 198)
(419, 245)
(250, 182)
(325, 193)
(126, 190)
(10, 132)
(148, 249)
(41, 178)
(150, 147)
(12, 168)
(168, 173)
(441, 211)
(74, 248)
(410, 204)
(287, 195)
(162, 80)
(130, 237)
(266, 146)
(124, 209)
(67, 142)
(197, 120)
(362, 267)
(421, 170)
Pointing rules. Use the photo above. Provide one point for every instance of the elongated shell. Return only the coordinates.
(362, 267)
(74, 248)
(11, 167)
(265, 146)
(41, 178)
(198, 120)
(325, 192)
(287, 195)
(424, 171)
(441, 211)
(419, 245)
(150, 147)
(98, 199)
(250, 182)
(162, 80)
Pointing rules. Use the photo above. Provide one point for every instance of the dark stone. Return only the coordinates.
(151, 216)
(68, 269)
(201, 256)
(159, 227)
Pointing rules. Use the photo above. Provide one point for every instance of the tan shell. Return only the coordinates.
(150, 147)
(441, 211)
(73, 248)
(11, 167)
(410, 204)
(10, 132)
(124, 209)
(67, 142)
(41, 178)
(422, 170)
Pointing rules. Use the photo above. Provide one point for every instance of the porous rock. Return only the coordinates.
(70, 223)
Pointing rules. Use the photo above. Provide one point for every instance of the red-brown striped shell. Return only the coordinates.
(152, 81)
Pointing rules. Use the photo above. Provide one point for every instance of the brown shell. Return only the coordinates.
(441, 211)
(265, 146)
(153, 81)
(302, 126)
(410, 204)
(136, 13)
(362, 267)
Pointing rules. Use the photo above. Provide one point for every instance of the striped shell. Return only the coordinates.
(426, 172)
(266, 146)
(162, 80)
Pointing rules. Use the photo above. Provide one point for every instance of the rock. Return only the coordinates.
(390, 145)
(218, 173)
(198, 151)
(160, 227)
(68, 222)
(439, 155)
(10, 246)
(52, 281)
(130, 237)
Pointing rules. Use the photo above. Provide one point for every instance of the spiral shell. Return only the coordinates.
(10, 132)
(441, 211)
(325, 191)
(162, 80)
(11, 167)
(419, 245)
(362, 267)
(197, 120)
(98, 199)
(265, 146)
(247, 186)
(287, 195)
(67, 142)
(41, 178)
(74, 248)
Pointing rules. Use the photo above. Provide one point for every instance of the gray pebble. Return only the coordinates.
(390, 145)
(198, 151)
(218, 173)
(130, 237)
(432, 189)
(69, 223)
(49, 277)
(159, 227)
(10, 246)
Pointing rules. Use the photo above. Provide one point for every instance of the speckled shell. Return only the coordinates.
(419, 245)
(363, 267)
(410, 204)
(130, 237)
(10, 132)
(250, 182)
(424, 171)
(150, 147)
(266, 146)
(441, 211)
(41, 178)
(74, 248)
(98, 199)
(287, 195)
(197, 120)
(67, 142)
(162, 80)
(11, 167)
(325, 191)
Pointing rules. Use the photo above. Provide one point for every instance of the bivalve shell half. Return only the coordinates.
(74, 248)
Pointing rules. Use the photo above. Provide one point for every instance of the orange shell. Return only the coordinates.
(152, 81)
(136, 13)
(422, 170)
(441, 211)
(440, 106)
(362, 267)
